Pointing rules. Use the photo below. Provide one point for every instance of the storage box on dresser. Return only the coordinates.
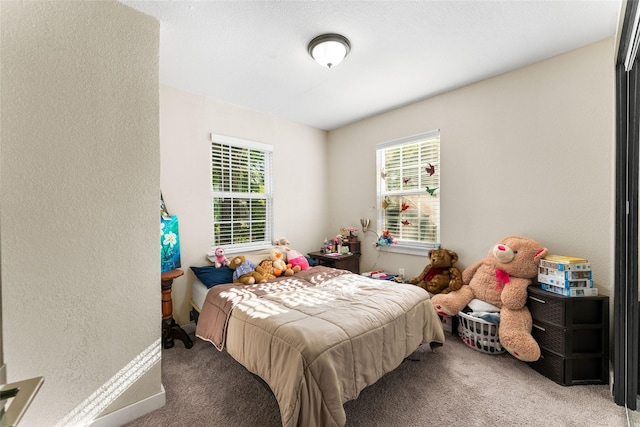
(573, 334)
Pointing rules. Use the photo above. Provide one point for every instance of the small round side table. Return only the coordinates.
(170, 329)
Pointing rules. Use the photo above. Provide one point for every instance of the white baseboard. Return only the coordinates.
(131, 412)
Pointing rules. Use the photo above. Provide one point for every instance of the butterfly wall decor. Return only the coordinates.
(430, 169)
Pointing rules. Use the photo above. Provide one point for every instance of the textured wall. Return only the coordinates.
(80, 184)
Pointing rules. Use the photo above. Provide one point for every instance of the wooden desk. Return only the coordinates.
(170, 329)
(349, 262)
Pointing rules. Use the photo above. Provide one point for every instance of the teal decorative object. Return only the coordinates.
(170, 244)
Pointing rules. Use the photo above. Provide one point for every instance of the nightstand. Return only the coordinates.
(170, 329)
(349, 262)
(573, 335)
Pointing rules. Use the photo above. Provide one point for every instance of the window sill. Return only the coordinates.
(421, 250)
(241, 249)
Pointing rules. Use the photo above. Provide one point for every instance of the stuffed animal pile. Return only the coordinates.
(501, 279)
(282, 261)
(440, 276)
(296, 259)
(280, 267)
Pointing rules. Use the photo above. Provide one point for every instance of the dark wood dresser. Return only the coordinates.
(349, 262)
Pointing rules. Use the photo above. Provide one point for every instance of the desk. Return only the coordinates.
(170, 329)
(349, 262)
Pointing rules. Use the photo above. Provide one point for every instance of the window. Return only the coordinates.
(409, 191)
(241, 194)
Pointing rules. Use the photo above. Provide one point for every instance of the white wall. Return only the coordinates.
(80, 171)
(529, 152)
(300, 185)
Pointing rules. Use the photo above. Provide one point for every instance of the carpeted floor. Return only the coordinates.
(455, 385)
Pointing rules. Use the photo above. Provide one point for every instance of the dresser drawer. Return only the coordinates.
(572, 370)
(551, 310)
(573, 334)
(566, 311)
(569, 342)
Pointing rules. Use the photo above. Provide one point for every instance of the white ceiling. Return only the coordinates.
(254, 53)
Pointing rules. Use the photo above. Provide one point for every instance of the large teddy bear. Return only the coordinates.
(502, 279)
(440, 276)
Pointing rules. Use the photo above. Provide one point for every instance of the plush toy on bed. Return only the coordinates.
(280, 268)
(440, 276)
(245, 271)
(266, 269)
(282, 242)
(502, 279)
(220, 259)
(296, 259)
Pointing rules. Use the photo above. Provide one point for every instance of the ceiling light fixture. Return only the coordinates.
(329, 49)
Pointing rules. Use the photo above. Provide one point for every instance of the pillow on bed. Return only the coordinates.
(212, 276)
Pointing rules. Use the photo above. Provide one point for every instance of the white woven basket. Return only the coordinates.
(479, 334)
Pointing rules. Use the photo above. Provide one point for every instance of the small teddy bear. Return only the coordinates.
(244, 271)
(502, 279)
(440, 276)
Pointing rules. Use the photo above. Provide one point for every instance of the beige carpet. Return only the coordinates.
(455, 385)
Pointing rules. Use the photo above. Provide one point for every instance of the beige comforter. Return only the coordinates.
(320, 337)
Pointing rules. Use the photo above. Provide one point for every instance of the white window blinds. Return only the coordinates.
(241, 194)
(409, 189)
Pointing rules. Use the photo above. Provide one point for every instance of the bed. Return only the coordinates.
(317, 338)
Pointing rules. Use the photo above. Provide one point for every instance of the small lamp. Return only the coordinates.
(364, 222)
(329, 50)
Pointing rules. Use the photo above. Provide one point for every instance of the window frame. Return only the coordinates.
(267, 195)
(407, 246)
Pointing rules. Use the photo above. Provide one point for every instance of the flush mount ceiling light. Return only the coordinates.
(329, 49)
